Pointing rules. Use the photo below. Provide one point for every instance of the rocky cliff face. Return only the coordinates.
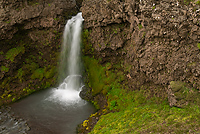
(30, 38)
(31, 15)
(156, 41)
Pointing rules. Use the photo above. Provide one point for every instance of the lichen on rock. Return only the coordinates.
(181, 94)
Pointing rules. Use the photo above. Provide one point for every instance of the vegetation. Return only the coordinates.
(135, 111)
(12, 53)
(198, 45)
(4, 69)
(140, 26)
(187, 2)
(87, 49)
(147, 116)
(23, 73)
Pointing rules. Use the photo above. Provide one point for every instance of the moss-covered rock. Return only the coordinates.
(181, 94)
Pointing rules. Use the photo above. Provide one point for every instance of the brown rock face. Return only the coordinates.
(30, 39)
(31, 15)
(158, 39)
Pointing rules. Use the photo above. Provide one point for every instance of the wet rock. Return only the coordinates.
(181, 94)
(10, 124)
(84, 94)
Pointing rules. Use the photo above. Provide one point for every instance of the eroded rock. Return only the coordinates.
(31, 15)
(157, 39)
(181, 94)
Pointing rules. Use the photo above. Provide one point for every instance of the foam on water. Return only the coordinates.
(68, 92)
(66, 96)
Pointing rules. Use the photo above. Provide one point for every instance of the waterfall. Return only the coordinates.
(67, 93)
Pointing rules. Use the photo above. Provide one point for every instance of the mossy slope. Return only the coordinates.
(27, 66)
(135, 111)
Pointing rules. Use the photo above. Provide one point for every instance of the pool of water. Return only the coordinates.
(45, 116)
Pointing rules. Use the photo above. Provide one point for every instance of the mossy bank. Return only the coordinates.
(142, 59)
(144, 110)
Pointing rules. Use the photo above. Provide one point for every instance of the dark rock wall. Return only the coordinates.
(158, 40)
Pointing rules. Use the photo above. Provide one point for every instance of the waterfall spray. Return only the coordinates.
(68, 91)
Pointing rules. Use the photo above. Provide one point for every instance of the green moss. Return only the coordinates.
(184, 93)
(141, 115)
(28, 90)
(38, 74)
(176, 85)
(49, 73)
(9, 95)
(31, 67)
(140, 26)
(87, 46)
(12, 53)
(139, 111)
(20, 74)
(95, 74)
(198, 45)
(103, 79)
(4, 69)
(33, 3)
(186, 2)
(13, 99)
(1, 52)
(108, 66)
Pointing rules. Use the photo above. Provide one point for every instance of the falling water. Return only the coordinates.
(68, 91)
(59, 110)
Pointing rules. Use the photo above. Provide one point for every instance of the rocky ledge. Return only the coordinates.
(10, 124)
(159, 41)
(36, 14)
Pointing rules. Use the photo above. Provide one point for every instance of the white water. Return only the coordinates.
(59, 110)
(67, 93)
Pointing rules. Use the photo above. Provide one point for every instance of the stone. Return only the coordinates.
(160, 37)
(181, 94)
(37, 14)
